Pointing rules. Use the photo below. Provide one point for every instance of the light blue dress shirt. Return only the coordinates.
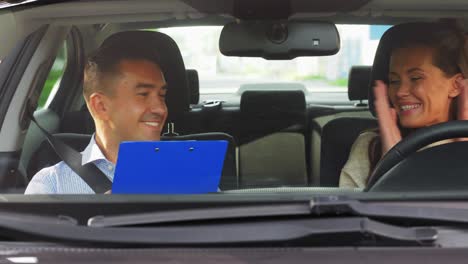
(61, 179)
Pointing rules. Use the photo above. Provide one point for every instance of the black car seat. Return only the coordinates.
(177, 100)
(272, 139)
(194, 85)
(339, 134)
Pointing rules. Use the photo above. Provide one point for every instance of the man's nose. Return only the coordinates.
(158, 105)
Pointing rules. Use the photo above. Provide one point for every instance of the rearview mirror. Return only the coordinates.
(279, 40)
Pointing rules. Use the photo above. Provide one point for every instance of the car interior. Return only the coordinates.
(280, 134)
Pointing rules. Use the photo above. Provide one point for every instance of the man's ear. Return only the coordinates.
(99, 105)
(455, 88)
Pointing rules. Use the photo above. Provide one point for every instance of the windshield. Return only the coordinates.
(121, 121)
(223, 74)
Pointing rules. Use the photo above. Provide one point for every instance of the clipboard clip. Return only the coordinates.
(170, 130)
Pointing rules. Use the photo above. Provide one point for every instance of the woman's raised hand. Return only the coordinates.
(462, 99)
(387, 118)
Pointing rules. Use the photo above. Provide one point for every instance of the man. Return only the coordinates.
(124, 89)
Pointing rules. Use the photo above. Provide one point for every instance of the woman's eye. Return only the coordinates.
(413, 79)
(143, 94)
(394, 82)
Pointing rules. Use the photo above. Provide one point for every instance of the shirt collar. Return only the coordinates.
(92, 152)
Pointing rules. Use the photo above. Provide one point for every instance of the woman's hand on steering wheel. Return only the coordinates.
(387, 117)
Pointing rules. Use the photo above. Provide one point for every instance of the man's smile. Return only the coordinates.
(152, 124)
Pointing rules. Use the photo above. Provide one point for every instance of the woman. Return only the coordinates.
(424, 82)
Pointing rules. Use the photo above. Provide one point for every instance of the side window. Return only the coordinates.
(53, 79)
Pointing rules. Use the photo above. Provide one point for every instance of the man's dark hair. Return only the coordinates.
(102, 65)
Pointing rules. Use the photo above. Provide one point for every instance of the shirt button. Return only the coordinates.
(110, 167)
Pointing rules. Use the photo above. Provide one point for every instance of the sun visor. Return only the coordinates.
(279, 40)
(273, 9)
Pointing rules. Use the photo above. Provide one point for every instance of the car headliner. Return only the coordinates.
(20, 20)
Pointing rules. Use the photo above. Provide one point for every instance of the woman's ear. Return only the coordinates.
(456, 85)
(99, 106)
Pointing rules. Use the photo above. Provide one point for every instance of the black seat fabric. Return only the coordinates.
(339, 134)
(358, 82)
(194, 85)
(78, 122)
(265, 112)
(272, 139)
(45, 156)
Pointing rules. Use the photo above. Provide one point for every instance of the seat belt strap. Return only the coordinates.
(90, 174)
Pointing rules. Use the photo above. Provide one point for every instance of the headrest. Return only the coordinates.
(194, 86)
(358, 82)
(273, 103)
(275, 86)
(390, 38)
(170, 60)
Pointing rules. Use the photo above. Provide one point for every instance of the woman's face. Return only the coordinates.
(419, 91)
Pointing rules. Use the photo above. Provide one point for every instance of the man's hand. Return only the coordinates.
(387, 118)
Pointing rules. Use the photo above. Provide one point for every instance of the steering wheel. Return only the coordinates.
(402, 166)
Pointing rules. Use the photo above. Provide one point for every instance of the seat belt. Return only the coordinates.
(94, 177)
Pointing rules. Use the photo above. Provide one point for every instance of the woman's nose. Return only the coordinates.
(403, 90)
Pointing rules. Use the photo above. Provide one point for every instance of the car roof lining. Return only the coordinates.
(163, 10)
(267, 9)
(23, 21)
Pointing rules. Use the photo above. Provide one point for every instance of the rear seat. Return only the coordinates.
(272, 147)
(339, 134)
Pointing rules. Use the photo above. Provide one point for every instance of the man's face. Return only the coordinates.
(137, 108)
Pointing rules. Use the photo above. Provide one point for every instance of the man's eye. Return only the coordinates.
(413, 79)
(142, 94)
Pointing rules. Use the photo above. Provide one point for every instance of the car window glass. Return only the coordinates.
(54, 78)
(222, 74)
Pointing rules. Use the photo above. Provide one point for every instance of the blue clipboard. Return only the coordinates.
(169, 167)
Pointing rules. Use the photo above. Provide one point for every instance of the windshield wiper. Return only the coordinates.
(200, 214)
(320, 206)
(329, 205)
(269, 229)
(326, 221)
(348, 231)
